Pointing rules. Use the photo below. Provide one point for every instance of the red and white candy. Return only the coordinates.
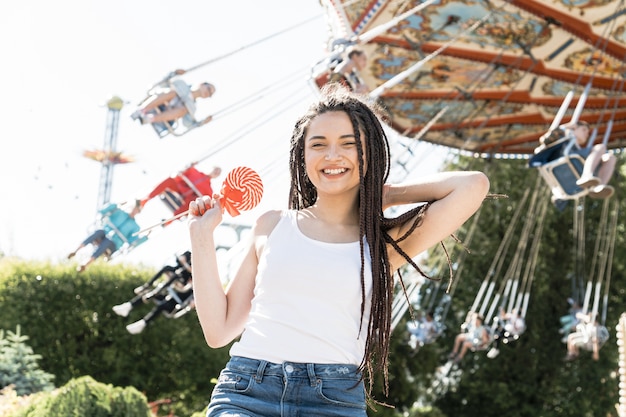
(242, 190)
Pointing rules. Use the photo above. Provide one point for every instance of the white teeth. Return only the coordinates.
(334, 171)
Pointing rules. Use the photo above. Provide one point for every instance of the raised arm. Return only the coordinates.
(217, 317)
(455, 197)
(222, 312)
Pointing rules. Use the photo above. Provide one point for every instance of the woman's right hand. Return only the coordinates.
(205, 213)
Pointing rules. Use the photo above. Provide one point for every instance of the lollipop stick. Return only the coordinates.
(178, 216)
(171, 219)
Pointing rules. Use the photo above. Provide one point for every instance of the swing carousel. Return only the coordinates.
(488, 79)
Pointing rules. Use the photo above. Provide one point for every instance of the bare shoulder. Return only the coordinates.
(266, 222)
(261, 230)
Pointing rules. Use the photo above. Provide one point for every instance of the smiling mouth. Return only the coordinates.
(335, 171)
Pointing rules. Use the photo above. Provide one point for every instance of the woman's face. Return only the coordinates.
(330, 153)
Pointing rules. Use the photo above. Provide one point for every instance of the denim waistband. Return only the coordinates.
(313, 371)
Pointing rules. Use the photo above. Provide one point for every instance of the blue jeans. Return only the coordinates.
(253, 388)
(103, 244)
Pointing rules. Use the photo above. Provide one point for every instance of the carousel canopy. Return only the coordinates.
(490, 76)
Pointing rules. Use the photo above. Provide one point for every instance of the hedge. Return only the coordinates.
(70, 323)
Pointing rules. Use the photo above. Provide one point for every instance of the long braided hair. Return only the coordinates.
(373, 226)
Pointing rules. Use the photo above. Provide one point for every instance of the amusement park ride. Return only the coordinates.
(487, 77)
(108, 156)
(490, 78)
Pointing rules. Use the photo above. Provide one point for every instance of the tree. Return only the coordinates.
(19, 365)
(529, 378)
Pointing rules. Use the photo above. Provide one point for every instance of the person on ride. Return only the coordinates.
(179, 274)
(347, 72)
(570, 320)
(119, 227)
(599, 164)
(424, 330)
(166, 105)
(310, 305)
(589, 335)
(181, 184)
(476, 337)
(510, 326)
(176, 301)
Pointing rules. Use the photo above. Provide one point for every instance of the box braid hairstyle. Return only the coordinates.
(372, 223)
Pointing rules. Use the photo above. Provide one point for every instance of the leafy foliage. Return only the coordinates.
(86, 397)
(19, 366)
(72, 326)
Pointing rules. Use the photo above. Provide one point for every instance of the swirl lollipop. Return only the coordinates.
(242, 190)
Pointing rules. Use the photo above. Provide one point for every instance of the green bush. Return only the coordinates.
(85, 397)
(69, 320)
(200, 413)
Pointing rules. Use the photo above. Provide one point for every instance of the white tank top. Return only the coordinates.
(307, 300)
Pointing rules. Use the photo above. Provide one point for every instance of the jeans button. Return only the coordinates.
(289, 369)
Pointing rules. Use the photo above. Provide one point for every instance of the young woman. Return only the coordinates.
(311, 301)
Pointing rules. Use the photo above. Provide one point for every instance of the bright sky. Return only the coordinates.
(63, 60)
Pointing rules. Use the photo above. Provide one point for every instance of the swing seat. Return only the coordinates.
(479, 347)
(163, 129)
(561, 176)
(183, 306)
(126, 246)
(181, 310)
(156, 293)
(172, 199)
(507, 337)
(187, 122)
(602, 333)
(547, 153)
(178, 201)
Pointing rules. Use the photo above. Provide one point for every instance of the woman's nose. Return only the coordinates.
(332, 154)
